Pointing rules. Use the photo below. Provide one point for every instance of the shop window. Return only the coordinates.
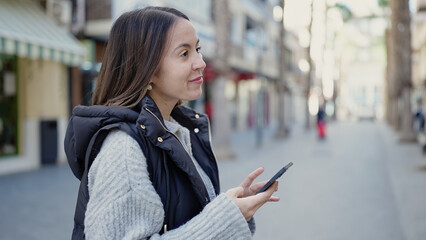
(252, 32)
(8, 106)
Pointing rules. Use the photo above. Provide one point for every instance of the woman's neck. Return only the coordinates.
(165, 107)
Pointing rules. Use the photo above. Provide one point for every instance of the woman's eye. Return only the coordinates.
(186, 52)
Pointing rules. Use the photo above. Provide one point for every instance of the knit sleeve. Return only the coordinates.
(124, 204)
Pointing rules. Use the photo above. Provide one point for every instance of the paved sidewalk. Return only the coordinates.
(407, 171)
(38, 204)
(360, 183)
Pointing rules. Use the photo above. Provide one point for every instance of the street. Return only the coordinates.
(358, 183)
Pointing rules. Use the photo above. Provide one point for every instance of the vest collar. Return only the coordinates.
(150, 122)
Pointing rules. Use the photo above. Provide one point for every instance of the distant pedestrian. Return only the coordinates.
(419, 126)
(321, 122)
(145, 162)
(420, 119)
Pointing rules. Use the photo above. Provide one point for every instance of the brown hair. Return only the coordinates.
(133, 54)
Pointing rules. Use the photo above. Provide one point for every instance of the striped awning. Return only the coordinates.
(26, 31)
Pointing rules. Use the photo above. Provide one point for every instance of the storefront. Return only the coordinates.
(8, 106)
(35, 60)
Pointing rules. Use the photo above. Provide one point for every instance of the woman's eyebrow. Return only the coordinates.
(185, 45)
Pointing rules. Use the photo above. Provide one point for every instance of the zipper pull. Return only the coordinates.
(165, 228)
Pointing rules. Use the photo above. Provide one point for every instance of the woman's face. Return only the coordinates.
(180, 74)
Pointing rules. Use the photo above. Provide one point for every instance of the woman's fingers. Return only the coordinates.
(251, 177)
(267, 195)
(257, 186)
(274, 199)
(249, 205)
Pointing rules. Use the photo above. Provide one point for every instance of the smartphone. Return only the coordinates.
(275, 177)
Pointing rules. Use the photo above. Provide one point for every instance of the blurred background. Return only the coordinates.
(336, 86)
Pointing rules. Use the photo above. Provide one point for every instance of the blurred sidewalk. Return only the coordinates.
(360, 183)
(38, 204)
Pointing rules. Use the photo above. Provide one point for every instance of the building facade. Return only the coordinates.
(45, 71)
(254, 58)
(36, 54)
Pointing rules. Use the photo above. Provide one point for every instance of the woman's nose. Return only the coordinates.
(199, 63)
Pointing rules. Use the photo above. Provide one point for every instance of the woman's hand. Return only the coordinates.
(249, 189)
(245, 196)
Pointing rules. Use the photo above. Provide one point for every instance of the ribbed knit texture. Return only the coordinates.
(124, 204)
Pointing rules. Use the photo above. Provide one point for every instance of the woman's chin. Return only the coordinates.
(194, 95)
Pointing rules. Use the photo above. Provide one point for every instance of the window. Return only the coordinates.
(8, 106)
(251, 33)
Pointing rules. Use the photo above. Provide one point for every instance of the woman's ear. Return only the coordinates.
(154, 77)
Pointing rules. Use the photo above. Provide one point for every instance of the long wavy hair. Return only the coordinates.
(134, 51)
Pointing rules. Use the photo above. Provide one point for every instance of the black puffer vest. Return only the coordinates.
(172, 172)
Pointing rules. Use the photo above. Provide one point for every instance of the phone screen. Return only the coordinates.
(275, 177)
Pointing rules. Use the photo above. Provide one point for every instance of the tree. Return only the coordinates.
(391, 91)
(401, 45)
(309, 77)
(221, 119)
(281, 89)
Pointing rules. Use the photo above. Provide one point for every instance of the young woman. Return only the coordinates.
(146, 165)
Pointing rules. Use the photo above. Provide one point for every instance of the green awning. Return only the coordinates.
(26, 31)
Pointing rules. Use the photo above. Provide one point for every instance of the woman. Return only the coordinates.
(146, 163)
(321, 122)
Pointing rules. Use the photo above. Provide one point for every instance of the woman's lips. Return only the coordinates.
(197, 80)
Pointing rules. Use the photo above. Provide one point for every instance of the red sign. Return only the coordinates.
(244, 76)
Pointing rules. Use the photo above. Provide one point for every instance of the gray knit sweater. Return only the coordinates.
(124, 204)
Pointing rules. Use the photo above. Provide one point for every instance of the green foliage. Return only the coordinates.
(383, 3)
(344, 10)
